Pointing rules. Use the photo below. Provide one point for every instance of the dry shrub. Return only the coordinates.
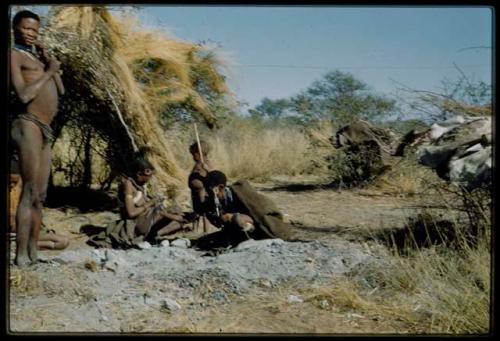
(437, 290)
(24, 283)
(406, 177)
(69, 160)
(449, 283)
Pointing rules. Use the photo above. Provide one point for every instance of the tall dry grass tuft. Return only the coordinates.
(244, 149)
(449, 284)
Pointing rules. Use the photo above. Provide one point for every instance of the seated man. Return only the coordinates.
(197, 177)
(242, 212)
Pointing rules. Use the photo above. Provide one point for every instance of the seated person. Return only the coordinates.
(143, 218)
(196, 180)
(241, 211)
(47, 239)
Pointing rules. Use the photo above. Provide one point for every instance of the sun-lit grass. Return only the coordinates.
(245, 150)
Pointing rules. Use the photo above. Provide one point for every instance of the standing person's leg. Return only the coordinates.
(42, 184)
(28, 139)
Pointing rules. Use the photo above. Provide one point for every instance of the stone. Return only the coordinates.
(144, 245)
(252, 244)
(294, 299)
(170, 304)
(181, 243)
(324, 304)
(165, 243)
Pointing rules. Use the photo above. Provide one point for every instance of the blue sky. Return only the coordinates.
(278, 51)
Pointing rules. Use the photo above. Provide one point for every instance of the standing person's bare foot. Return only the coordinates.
(22, 260)
(33, 250)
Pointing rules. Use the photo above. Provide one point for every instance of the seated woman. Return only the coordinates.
(143, 218)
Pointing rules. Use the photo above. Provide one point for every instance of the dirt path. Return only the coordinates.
(267, 287)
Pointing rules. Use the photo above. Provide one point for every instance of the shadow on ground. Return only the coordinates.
(419, 232)
(81, 198)
(91, 230)
(301, 187)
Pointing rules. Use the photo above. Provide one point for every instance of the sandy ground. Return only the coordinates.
(259, 287)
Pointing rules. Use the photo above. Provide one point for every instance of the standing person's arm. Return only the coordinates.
(27, 92)
(59, 84)
(57, 77)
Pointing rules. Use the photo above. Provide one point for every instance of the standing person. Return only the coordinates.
(34, 78)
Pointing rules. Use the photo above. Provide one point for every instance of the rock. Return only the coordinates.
(265, 283)
(170, 304)
(259, 244)
(165, 243)
(323, 304)
(98, 255)
(219, 296)
(182, 243)
(67, 257)
(144, 245)
(294, 299)
(113, 261)
(351, 315)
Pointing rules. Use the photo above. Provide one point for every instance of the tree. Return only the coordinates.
(340, 97)
(270, 109)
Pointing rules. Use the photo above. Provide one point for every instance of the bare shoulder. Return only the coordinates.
(128, 187)
(210, 164)
(15, 55)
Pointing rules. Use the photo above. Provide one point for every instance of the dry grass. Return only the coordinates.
(244, 150)
(448, 284)
(406, 177)
(104, 61)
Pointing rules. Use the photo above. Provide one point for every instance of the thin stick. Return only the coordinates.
(123, 121)
(201, 158)
(198, 142)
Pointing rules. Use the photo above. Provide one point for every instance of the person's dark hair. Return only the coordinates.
(140, 162)
(215, 178)
(24, 14)
(205, 147)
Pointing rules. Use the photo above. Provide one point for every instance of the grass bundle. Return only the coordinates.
(120, 76)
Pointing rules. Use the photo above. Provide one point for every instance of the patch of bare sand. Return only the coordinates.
(73, 297)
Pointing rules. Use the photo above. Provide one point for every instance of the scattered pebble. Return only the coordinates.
(170, 304)
(294, 299)
(323, 304)
(144, 245)
(182, 243)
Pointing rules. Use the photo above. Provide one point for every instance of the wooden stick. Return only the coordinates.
(201, 158)
(123, 121)
(198, 142)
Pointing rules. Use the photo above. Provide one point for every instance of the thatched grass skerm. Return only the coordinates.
(107, 69)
